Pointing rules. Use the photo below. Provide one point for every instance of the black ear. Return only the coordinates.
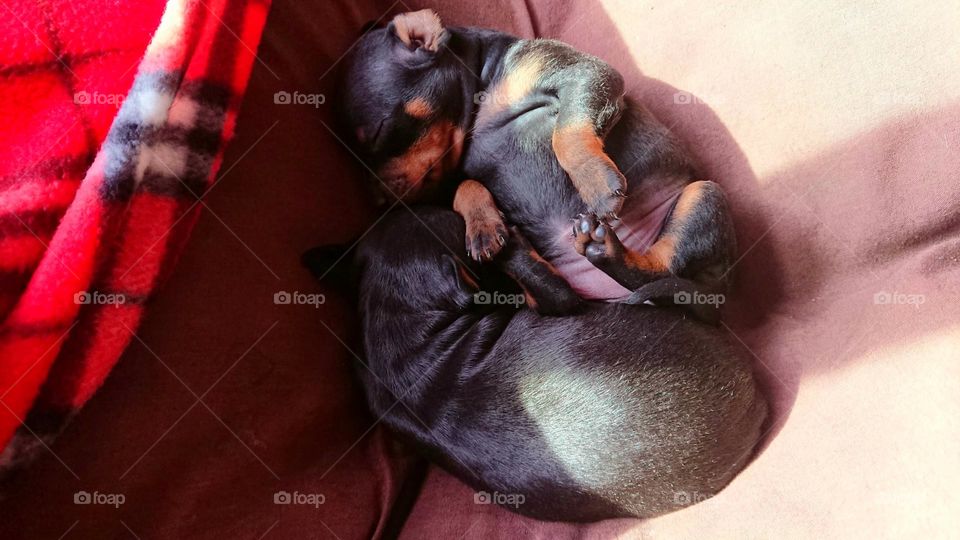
(465, 280)
(329, 262)
(420, 31)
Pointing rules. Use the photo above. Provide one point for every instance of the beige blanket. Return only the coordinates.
(835, 128)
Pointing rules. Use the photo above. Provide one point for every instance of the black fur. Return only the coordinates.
(615, 410)
(509, 150)
(611, 410)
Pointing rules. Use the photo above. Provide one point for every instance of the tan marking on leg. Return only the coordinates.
(485, 230)
(689, 199)
(522, 80)
(580, 152)
(512, 88)
(537, 258)
(530, 300)
(659, 258)
(655, 260)
(471, 196)
(418, 108)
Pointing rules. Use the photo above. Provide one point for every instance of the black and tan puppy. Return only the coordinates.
(541, 132)
(613, 410)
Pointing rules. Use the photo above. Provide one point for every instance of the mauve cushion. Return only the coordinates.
(834, 128)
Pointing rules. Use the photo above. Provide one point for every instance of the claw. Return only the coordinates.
(501, 239)
(486, 253)
(620, 193)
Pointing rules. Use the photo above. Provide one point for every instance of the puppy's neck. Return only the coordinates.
(480, 53)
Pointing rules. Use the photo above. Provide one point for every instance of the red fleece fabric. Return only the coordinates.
(115, 122)
(832, 125)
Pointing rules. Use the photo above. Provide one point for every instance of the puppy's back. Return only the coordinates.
(619, 411)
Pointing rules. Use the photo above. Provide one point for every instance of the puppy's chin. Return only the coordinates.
(427, 191)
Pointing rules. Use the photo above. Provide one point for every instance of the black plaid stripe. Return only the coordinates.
(35, 329)
(11, 71)
(58, 168)
(32, 222)
(198, 142)
(65, 71)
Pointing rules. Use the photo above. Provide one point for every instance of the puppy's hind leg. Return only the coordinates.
(697, 243)
(691, 258)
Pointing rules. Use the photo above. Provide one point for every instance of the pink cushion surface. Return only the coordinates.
(833, 127)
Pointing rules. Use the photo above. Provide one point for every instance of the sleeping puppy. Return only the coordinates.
(541, 132)
(614, 410)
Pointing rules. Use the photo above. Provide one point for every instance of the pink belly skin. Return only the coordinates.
(639, 227)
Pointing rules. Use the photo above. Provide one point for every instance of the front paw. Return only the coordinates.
(486, 235)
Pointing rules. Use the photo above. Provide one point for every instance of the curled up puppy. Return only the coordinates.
(612, 410)
(580, 400)
(538, 135)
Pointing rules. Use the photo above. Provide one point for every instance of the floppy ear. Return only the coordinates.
(329, 262)
(464, 280)
(420, 30)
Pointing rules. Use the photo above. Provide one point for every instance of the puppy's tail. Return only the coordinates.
(672, 291)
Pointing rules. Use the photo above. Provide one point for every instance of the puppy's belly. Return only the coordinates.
(639, 227)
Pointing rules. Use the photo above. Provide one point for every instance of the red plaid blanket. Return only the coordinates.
(115, 117)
